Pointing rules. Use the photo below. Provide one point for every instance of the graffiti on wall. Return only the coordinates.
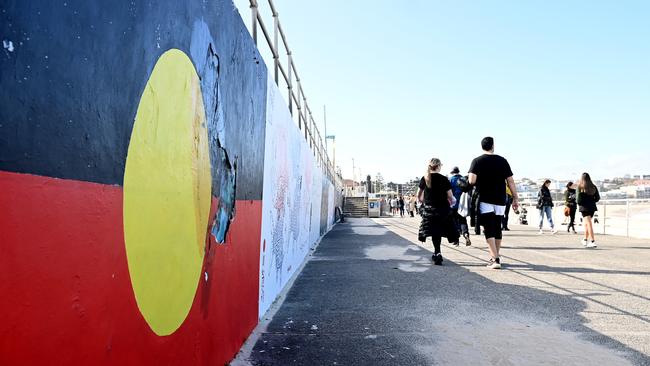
(295, 202)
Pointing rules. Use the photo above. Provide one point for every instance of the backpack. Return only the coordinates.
(463, 184)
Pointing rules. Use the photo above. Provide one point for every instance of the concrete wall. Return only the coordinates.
(132, 168)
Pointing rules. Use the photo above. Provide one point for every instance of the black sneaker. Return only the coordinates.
(468, 242)
(437, 259)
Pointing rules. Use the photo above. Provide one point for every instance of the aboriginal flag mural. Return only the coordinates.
(131, 171)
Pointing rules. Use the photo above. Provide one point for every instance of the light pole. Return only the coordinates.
(333, 138)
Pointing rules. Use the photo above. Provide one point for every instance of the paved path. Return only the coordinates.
(370, 296)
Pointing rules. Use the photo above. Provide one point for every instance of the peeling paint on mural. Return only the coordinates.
(143, 147)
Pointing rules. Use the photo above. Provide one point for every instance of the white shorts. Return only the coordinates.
(488, 207)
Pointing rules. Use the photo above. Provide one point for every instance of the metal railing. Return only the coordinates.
(624, 217)
(296, 94)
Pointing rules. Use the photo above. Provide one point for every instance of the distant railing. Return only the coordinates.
(296, 94)
(624, 217)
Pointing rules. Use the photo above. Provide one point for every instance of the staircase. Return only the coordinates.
(356, 207)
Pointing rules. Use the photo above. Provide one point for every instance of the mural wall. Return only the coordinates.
(297, 205)
(132, 166)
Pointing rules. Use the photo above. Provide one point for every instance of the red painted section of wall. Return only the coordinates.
(66, 296)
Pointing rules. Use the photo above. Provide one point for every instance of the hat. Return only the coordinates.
(455, 170)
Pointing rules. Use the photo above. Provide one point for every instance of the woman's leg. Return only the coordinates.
(549, 216)
(587, 224)
(437, 256)
(541, 218)
(572, 217)
(436, 244)
(591, 229)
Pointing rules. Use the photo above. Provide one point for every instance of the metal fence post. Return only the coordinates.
(254, 20)
(627, 219)
(605, 218)
(276, 53)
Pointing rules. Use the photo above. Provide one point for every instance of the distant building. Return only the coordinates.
(614, 195)
(636, 191)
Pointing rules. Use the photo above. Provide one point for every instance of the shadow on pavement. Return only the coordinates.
(370, 297)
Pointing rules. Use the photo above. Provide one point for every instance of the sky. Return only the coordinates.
(562, 86)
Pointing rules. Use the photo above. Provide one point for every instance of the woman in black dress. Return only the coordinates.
(436, 197)
(586, 199)
(571, 204)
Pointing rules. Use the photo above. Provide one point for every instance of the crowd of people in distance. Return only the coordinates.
(444, 204)
(402, 205)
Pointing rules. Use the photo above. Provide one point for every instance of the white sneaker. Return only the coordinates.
(584, 242)
(553, 231)
(541, 232)
(494, 264)
(592, 245)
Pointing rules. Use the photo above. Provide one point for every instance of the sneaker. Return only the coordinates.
(494, 263)
(584, 242)
(437, 259)
(592, 244)
(541, 232)
(468, 242)
(553, 231)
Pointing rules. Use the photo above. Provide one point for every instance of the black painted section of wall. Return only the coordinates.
(70, 88)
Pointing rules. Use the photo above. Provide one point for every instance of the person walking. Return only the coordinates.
(489, 172)
(412, 206)
(571, 204)
(400, 205)
(545, 206)
(586, 197)
(460, 221)
(434, 192)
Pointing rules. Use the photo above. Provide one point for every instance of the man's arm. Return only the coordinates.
(513, 190)
(472, 178)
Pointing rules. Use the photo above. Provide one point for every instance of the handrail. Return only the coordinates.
(296, 94)
(608, 220)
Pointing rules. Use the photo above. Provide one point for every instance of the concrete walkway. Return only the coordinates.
(371, 296)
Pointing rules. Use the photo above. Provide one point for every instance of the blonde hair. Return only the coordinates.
(434, 164)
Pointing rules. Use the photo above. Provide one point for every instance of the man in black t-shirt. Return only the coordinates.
(490, 173)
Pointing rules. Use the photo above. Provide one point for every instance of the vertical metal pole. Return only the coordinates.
(627, 218)
(605, 218)
(334, 154)
(290, 86)
(254, 20)
(306, 118)
(325, 123)
(276, 49)
(301, 120)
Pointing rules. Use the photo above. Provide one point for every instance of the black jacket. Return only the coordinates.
(587, 202)
(544, 198)
(570, 197)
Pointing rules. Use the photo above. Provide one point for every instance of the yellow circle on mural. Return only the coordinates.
(167, 193)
